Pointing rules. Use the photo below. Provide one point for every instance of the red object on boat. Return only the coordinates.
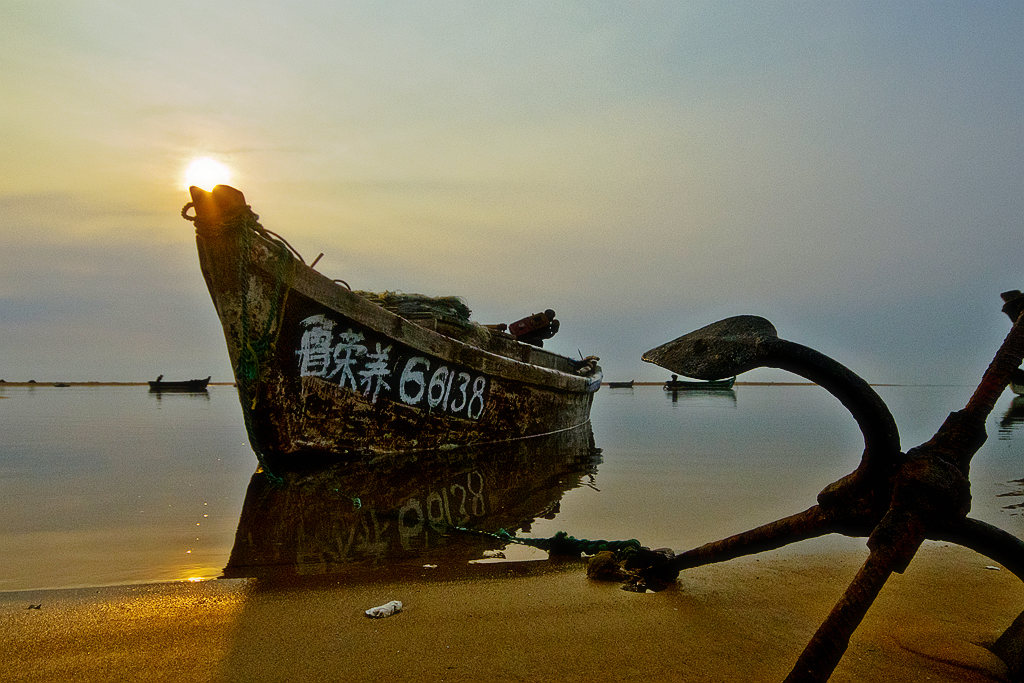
(531, 323)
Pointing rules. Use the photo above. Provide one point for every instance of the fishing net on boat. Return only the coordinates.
(450, 309)
(448, 315)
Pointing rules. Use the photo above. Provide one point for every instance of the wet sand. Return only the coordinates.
(745, 620)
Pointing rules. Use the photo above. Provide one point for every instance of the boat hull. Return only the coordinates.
(686, 385)
(189, 385)
(322, 371)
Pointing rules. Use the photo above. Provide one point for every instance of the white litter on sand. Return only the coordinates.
(385, 610)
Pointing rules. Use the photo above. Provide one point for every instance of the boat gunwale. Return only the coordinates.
(317, 287)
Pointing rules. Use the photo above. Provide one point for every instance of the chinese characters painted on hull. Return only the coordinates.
(357, 359)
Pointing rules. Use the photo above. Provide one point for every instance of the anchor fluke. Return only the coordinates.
(722, 349)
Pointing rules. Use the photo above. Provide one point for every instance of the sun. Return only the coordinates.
(205, 172)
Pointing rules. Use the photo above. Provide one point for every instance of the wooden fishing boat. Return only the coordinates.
(188, 385)
(676, 384)
(323, 371)
(621, 385)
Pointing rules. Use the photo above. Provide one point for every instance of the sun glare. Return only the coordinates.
(206, 172)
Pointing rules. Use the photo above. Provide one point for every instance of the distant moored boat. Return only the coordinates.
(182, 385)
(675, 384)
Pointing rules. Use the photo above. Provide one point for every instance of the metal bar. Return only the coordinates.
(811, 523)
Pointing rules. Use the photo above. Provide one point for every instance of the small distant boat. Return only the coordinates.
(61, 384)
(621, 385)
(675, 384)
(193, 385)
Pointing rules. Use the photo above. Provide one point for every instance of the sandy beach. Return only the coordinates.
(745, 620)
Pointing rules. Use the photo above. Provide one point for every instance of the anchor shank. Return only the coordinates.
(892, 544)
(810, 523)
(829, 643)
(1007, 359)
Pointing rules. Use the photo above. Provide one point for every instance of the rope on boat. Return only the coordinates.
(270, 234)
(253, 225)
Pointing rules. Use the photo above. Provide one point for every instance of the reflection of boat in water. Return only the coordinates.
(322, 370)
(402, 509)
(188, 385)
(712, 398)
(621, 385)
(1017, 382)
(1012, 418)
(676, 384)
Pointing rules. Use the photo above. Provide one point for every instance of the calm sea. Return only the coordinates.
(115, 485)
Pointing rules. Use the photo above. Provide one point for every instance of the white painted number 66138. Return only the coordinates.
(448, 390)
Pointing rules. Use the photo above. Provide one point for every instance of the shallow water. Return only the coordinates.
(112, 485)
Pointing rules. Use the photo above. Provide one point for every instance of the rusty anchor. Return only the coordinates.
(894, 499)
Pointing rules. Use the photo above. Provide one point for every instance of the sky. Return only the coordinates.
(852, 171)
